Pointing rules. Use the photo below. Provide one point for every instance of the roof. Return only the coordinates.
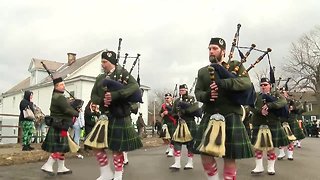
(21, 85)
(51, 65)
(58, 70)
(65, 70)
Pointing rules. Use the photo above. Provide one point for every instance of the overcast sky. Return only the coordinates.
(172, 36)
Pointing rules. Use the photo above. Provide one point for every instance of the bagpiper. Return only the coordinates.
(267, 132)
(186, 109)
(113, 92)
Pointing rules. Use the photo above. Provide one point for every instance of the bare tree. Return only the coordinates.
(304, 64)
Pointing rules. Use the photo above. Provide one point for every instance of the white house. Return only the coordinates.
(79, 76)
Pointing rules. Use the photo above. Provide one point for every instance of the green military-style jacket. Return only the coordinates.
(224, 103)
(186, 113)
(97, 93)
(297, 109)
(60, 107)
(258, 118)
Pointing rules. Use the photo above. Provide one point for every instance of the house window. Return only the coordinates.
(309, 107)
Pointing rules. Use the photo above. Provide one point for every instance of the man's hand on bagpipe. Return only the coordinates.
(264, 110)
(214, 91)
(107, 99)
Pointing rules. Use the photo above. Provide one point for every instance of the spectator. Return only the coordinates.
(141, 126)
(158, 126)
(27, 124)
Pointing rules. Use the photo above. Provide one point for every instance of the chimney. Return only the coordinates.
(71, 58)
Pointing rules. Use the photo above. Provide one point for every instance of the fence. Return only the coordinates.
(10, 131)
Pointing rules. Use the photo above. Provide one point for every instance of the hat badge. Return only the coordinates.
(221, 42)
(109, 54)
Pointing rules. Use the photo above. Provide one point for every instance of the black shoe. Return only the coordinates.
(290, 159)
(271, 173)
(25, 148)
(30, 148)
(255, 173)
(64, 173)
(49, 173)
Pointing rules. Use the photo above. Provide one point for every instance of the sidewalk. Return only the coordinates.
(11, 154)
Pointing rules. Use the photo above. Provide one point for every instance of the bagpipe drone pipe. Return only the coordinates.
(242, 97)
(113, 85)
(74, 102)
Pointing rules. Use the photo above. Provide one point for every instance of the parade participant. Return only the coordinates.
(27, 124)
(168, 121)
(121, 135)
(267, 132)
(186, 109)
(297, 143)
(215, 96)
(295, 108)
(91, 115)
(56, 142)
(141, 126)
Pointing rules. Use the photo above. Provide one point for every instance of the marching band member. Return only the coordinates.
(56, 141)
(169, 123)
(217, 103)
(295, 108)
(267, 132)
(186, 109)
(120, 135)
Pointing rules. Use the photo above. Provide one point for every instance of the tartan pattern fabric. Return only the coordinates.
(54, 142)
(237, 142)
(171, 126)
(27, 129)
(279, 137)
(296, 130)
(122, 136)
(193, 130)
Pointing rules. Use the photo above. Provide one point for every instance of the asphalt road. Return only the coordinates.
(152, 164)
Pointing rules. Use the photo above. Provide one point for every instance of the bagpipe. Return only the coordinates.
(114, 85)
(243, 97)
(74, 102)
(213, 140)
(281, 112)
(184, 106)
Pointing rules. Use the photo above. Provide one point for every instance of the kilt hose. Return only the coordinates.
(122, 135)
(237, 143)
(54, 142)
(192, 126)
(279, 137)
(296, 130)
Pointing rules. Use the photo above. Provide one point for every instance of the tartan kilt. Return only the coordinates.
(279, 137)
(54, 142)
(296, 130)
(192, 126)
(171, 127)
(122, 135)
(237, 142)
